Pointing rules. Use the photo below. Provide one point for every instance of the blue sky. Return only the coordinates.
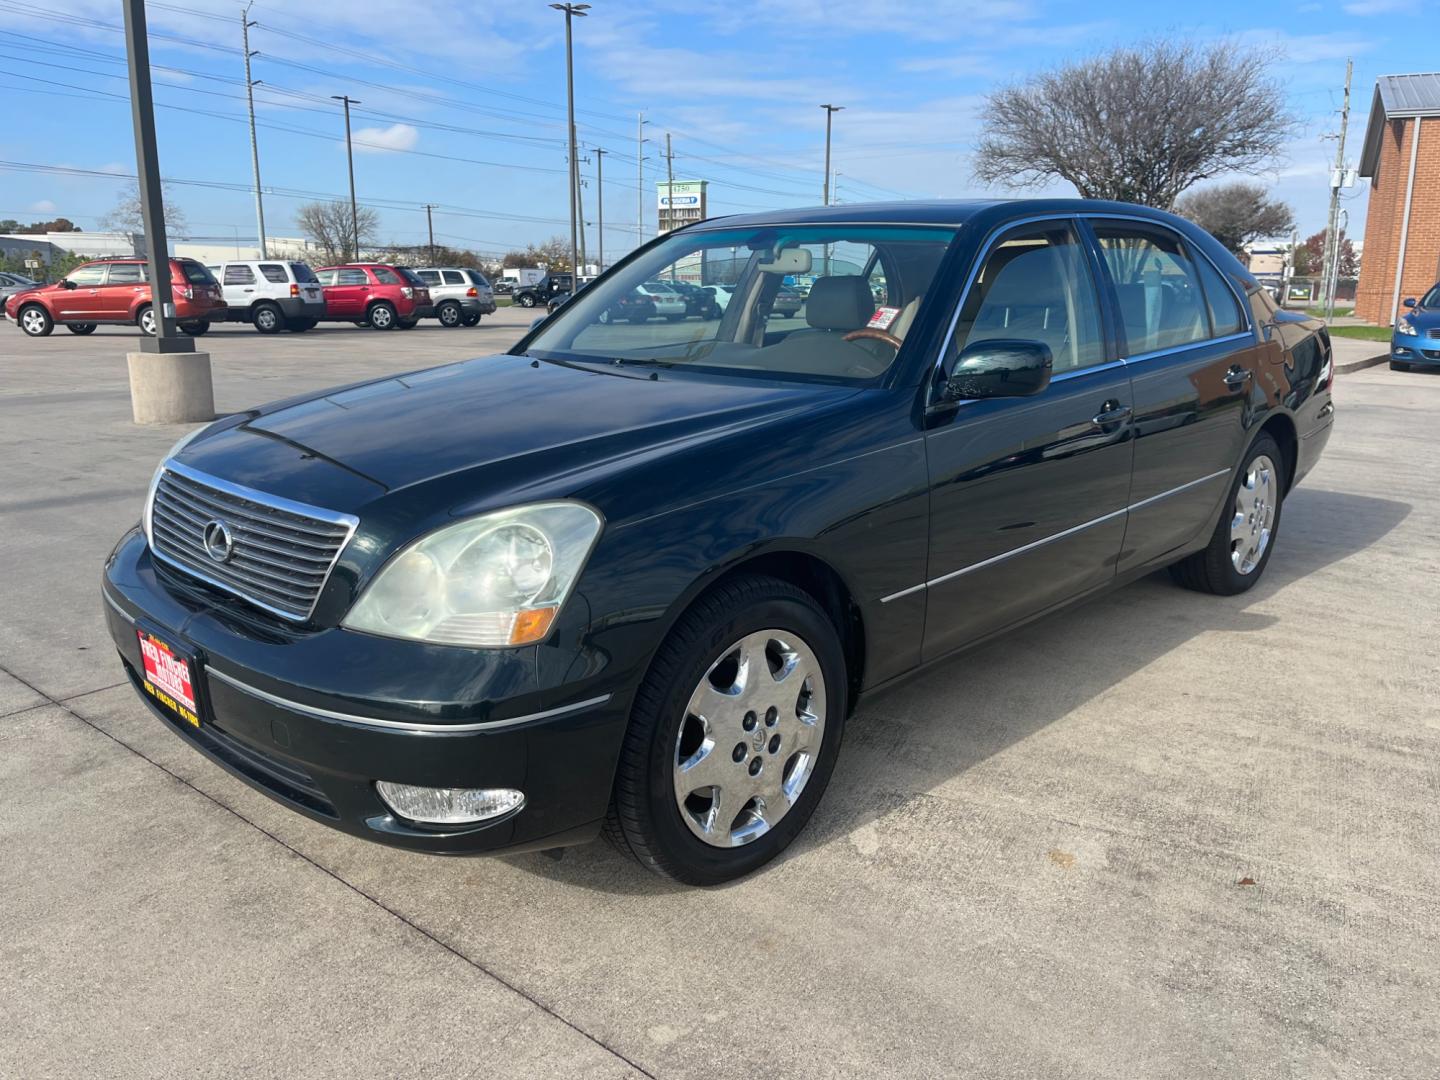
(463, 102)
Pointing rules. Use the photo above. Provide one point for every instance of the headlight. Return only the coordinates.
(155, 480)
(1405, 326)
(492, 581)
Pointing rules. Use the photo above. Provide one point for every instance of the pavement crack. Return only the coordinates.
(520, 991)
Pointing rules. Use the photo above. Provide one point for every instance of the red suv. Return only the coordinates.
(375, 294)
(117, 291)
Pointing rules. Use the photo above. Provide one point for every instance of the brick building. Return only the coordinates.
(1401, 158)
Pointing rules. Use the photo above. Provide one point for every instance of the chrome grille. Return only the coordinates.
(1434, 332)
(280, 552)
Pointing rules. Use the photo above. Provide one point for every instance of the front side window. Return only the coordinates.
(351, 275)
(274, 273)
(430, 277)
(239, 274)
(94, 274)
(1431, 299)
(326, 277)
(801, 302)
(1162, 305)
(127, 273)
(1035, 285)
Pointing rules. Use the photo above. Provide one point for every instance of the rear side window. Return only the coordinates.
(274, 272)
(386, 276)
(303, 273)
(1161, 302)
(239, 274)
(195, 273)
(352, 276)
(1225, 315)
(126, 274)
(454, 277)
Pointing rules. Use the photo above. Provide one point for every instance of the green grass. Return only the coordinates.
(1319, 312)
(1364, 333)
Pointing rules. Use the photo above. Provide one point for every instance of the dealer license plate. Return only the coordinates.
(169, 678)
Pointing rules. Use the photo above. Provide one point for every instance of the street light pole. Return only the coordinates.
(600, 209)
(571, 11)
(640, 142)
(245, 24)
(152, 199)
(830, 111)
(350, 160)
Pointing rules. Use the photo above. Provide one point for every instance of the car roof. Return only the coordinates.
(945, 212)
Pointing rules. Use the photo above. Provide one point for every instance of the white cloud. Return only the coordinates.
(376, 140)
(44, 206)
(1308, 48)
(1382, 7)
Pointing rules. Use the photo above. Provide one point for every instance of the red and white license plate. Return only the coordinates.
(168, 678)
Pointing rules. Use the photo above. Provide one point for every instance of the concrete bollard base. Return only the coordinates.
(170, 388)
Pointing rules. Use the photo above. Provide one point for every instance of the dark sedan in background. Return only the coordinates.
(634, 578)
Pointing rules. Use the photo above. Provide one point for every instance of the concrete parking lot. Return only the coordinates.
(1159, 835)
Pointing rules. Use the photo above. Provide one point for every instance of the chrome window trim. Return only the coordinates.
(349, 521)
(1154, 354)
(993, 559)
(401, 725)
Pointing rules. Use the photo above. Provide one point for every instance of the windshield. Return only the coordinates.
(1431, 299)
(860, 291)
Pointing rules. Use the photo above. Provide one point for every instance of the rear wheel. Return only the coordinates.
(36, 321)
(734, 733)
(267, 318)
(1396, 365)
(449, 314)
(145, 319)
(195, 329)
(382, 316)
(81, 328)
(1240, 547)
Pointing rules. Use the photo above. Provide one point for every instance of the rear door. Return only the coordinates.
(1028, 494)
(1191, 355)
(126, 285)
(348, 295)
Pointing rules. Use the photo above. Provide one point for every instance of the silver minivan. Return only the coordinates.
(460, 294)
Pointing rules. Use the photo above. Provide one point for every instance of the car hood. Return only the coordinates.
(1422, 318)
(524, 423)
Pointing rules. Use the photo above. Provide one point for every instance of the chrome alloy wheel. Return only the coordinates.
(32, 320)
(1254, 517)
(750, 738)
(147, 322)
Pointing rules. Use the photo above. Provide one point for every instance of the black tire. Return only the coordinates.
(673, 318)
(81, 328)
(1396, 365)
(299, 326)
(35, 320)
(406, 324)
(195, 329)
(472, 318)
(1212, 568)
(644, 818)
(525, 300)
(381, 316)
(449, 314)
(267, 318)
(145, 319)
(639, 320)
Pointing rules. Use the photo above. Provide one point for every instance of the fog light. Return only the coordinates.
(449, 806)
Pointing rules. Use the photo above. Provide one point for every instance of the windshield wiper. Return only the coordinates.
(627, 361)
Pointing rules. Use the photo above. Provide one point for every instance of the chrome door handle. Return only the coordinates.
(1237, 377)
(1111, 413)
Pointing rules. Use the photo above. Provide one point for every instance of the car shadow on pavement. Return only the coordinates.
(932, 729)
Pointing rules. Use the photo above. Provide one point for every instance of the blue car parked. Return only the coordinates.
(1417, 333)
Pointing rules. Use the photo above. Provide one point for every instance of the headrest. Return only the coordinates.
(839, 303)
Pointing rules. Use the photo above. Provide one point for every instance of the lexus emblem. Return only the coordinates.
(219, 544)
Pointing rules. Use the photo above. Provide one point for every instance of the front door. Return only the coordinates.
(348, 295)
(1028, 494)
(1191, 355)
(84, 300)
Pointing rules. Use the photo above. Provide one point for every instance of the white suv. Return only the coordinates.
(271, 294)
(460, 295)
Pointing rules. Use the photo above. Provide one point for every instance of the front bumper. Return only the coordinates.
(374, 716)
(1415, 350)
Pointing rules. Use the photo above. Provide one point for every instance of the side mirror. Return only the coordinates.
(66, 283)
(538, 320)
(999, 368)
(1410, 301)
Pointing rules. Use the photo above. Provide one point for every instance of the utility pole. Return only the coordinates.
(350, 158)
(152, 199)
(830, 111)
(430, 228)
(640, 142)
(580, 214)
(572, 11)
(245, 24)
(669, 193)
(600, 208)
(1337, 180)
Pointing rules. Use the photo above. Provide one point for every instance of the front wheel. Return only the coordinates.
(526, 301)
(36, 321)
(733, 735)
(299, 326)
(1396, 365)
(195, 329)
(471, 319)
(406, 324)
(1240, 547)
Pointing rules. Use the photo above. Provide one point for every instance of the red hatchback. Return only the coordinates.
(375, 294)
(117, 291)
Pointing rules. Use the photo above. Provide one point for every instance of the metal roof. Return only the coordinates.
(1397, 96)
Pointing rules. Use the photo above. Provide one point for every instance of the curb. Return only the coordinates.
(1361, 365)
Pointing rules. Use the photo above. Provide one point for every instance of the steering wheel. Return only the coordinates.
(869, 333)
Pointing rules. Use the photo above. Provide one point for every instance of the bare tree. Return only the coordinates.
(125, 216)
(1237, 213)
(1139, 124)
(554, 254)
(328, 226)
